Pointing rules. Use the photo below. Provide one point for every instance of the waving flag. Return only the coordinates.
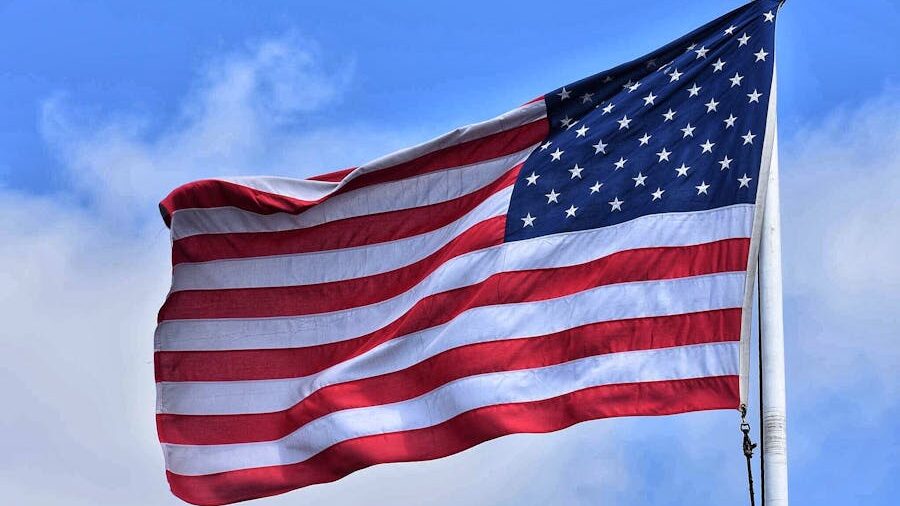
(587, 255)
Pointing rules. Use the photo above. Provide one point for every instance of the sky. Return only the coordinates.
(108, 106)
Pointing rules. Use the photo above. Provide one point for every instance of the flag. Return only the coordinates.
(586, 255)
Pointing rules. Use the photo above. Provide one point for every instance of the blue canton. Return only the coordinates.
(680, 129)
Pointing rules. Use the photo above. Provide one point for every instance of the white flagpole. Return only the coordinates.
(774, 438)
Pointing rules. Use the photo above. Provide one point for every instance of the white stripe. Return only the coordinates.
(480, 324)
(671, 229)
(332, 265)
(457, 397)
(303, 190)
(424, 190)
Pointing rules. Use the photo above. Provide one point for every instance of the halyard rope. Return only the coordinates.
(748, 451)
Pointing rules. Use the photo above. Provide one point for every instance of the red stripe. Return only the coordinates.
(460, 433)
(347, 233)
(331, 296)
(507, 355)
(333, 177)
(218, 193)
(502, 288)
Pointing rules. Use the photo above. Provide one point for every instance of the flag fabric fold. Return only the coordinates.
(586, 255)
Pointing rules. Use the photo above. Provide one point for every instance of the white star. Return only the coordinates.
(669, 115)
(701, 53)
(645, 139)
(675, 75)
(658, 193)
(564, 94)
(621, 163)
(688, 131)
(624, 122)
(694, 90)
(634, 86)
(648, 100)
(725, 163)
(663, 155)
(681, 171)
(567, 122)
(545, 145)
(616, 204)
(769, 17)
(551, 197)
(554, 156)
(761, 55)
(570, 212)
(718, 65)
(607, 79)
(581, 131)
(754, 97)
(736, 80)
(743, 40)
(748, 139)
(532, 179)
(587, 98)
(608, 108)
(729, 121)
(745, 181)
(692, 46)
(576, 171)
(702, 188)
(639, 180)
(711, 105)
(529, 220)
(707, 146)
(596, 187)
(600, 147)
(730, 30)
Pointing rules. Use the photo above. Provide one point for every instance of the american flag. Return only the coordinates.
(586, 255)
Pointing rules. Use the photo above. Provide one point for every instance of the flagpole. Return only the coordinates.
(772, 380)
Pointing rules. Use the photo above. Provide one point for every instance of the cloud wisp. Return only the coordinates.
(251, 111)
(840, 181)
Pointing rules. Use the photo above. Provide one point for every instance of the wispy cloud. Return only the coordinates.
(841, 206)
(841, 181)
(253, 111)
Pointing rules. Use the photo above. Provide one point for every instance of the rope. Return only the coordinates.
(748, 451)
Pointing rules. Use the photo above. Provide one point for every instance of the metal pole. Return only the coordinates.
(774, 437)
(762, 386)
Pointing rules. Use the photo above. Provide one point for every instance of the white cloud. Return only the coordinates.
(841, 181)
(248, 113)
(76, 353)
(841, 178)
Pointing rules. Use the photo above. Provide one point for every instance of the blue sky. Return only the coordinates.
(108, 106)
